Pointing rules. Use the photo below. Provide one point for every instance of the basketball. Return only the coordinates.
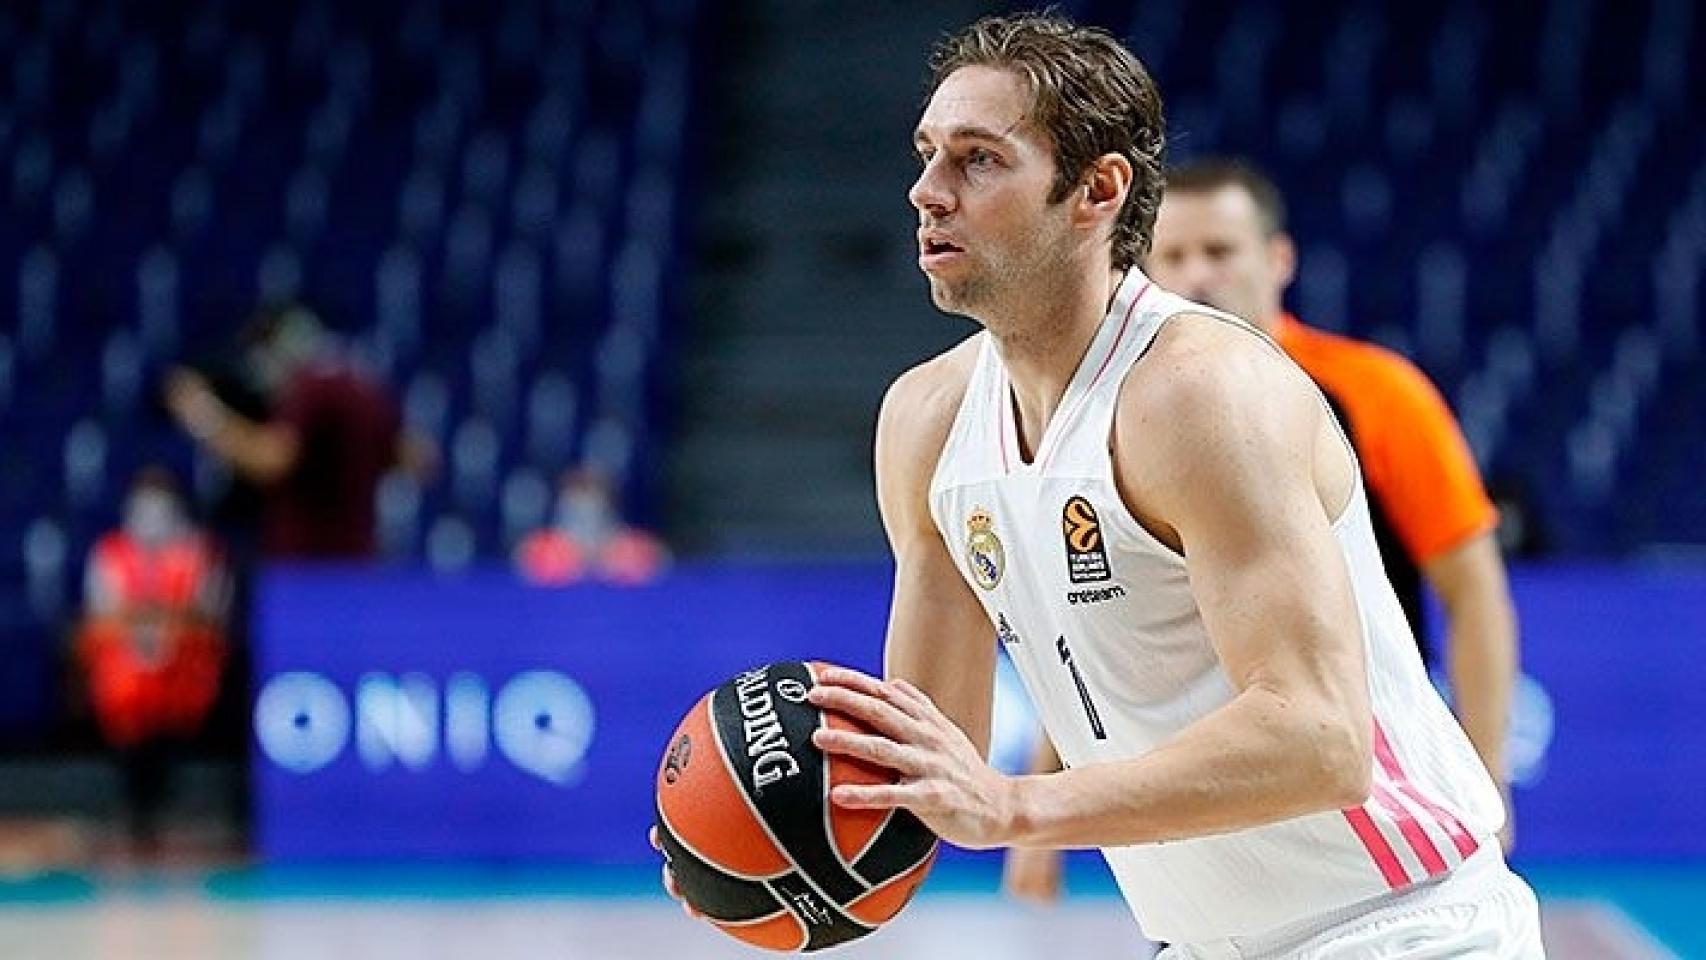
(744, 818)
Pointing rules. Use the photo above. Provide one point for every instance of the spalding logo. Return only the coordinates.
(676, 761)
(766, 743)
(791, 690)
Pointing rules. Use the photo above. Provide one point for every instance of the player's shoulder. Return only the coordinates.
(922, 402)
(917, 415)
(1203, 366)
(1211, 403)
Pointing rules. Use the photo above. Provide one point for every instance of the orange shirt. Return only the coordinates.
(1413, 454)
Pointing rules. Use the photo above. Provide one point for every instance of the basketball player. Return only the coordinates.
(1158, 515)
(1220, 239)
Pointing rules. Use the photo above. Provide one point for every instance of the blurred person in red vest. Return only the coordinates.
(333, 432)
(152, 642)
(589, 539)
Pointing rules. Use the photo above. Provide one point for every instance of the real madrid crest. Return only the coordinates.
(984, 553)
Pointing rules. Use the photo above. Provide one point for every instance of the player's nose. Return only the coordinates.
(928, 194)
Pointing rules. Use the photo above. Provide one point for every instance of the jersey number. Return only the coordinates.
(1083, 691)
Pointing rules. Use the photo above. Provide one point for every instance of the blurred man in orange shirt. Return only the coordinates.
(1220, 240)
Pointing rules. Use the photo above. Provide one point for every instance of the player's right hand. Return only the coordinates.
(1030, 874)
(669, 876)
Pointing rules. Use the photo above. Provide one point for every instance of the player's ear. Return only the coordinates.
(1103, 190)
(1282, 258)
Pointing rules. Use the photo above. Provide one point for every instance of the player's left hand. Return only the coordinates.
(942, 778)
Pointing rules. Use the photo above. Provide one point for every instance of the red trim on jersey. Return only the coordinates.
(1109, 358)
(1375, 843)
(1461, 838)
(1129, 310)
(1413, 832)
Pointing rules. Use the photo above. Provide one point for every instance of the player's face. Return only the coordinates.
(986, 231)
(1212, 248)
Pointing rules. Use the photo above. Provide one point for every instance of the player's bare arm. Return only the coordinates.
(1209, 411)
(1482, 646)
(938, 636)
(1470, 582)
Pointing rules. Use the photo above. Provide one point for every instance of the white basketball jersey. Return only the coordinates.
(1099, 618)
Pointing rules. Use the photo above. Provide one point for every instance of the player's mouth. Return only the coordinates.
(937, 250)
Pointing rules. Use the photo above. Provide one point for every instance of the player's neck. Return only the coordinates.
(1042, 345)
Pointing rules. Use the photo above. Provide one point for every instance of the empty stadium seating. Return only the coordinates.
(491, 202)
(485, 199)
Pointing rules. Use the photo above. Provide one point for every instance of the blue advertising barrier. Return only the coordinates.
(399, 715)
(404, 716)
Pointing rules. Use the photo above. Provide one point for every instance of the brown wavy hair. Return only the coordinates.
(1089, 94)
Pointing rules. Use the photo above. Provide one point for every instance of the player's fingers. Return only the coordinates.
(675, 892)
(877, 750)
(652, 836)
(843, 677)
(908, 698)
(875, 711)
(869, 796)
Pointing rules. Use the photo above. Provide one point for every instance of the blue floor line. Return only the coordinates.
(53, 886)
(1667, 900)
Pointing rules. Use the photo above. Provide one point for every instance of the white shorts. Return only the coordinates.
(1480, 910)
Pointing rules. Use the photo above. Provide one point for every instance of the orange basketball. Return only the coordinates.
(744, 818)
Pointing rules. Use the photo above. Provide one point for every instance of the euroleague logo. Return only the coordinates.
(676, 761)
(1086, 557)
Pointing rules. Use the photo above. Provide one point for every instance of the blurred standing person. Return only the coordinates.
(152, 645)
(333, 432)
(1220, 239)
(588, 537)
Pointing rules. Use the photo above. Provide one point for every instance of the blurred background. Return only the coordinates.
(578, 313)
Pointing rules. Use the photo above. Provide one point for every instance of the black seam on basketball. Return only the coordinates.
(885, 885)
(780, 911)
(871, 841)
(675, 834)
(784, 803)
(904, 843)
(834, 927)
(923, 857)
(801, 927)
(734, 776)
(829, 811)
(710, 888)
